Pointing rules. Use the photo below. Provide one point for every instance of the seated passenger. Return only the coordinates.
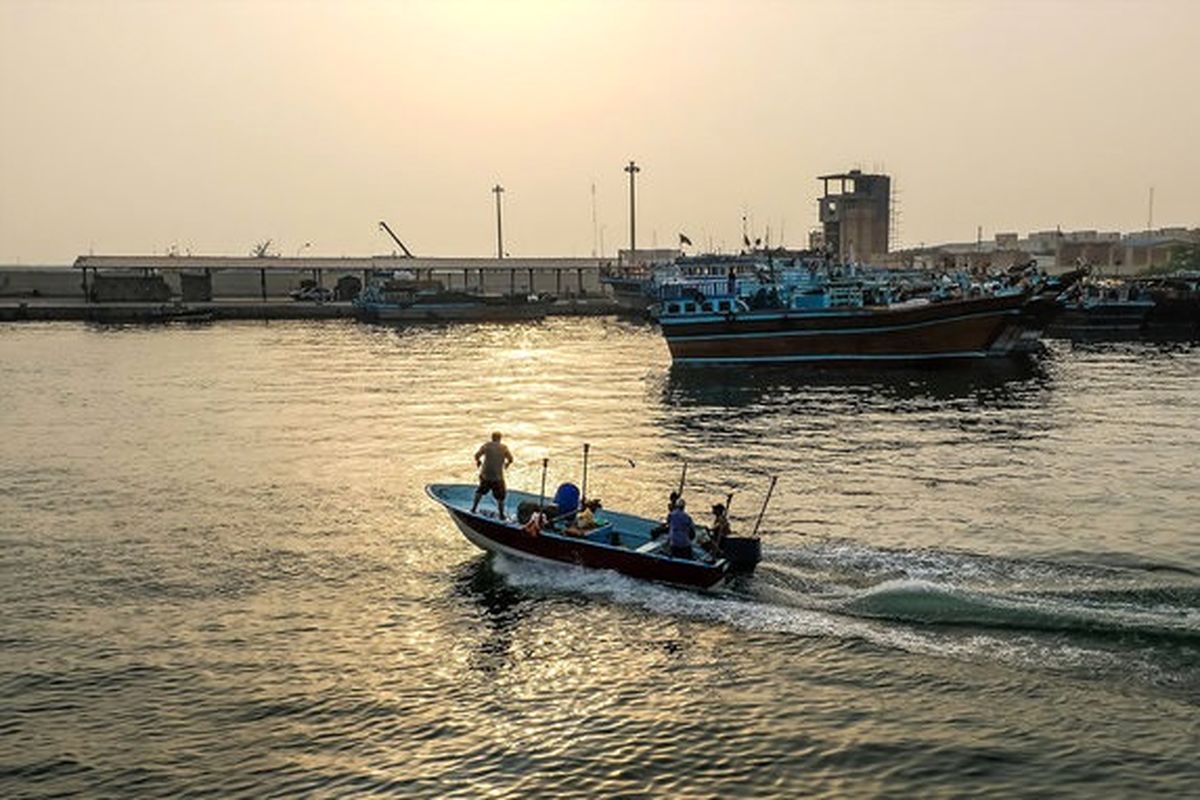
(533, 526)
(586, 520)
(719, 529)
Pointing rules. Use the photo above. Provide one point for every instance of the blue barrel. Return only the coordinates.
(566, 497)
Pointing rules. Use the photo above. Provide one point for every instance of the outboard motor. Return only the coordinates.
(742, 552)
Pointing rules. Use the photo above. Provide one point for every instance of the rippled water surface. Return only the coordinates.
(221, 576)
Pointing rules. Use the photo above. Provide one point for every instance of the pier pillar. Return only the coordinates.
(579, 275)
(529, 289)
(465, 280)
(558, 280)
(512, 281)
(262, 282)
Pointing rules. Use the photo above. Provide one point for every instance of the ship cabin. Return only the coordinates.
(726, 305)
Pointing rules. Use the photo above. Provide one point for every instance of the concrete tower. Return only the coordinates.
(855, 217)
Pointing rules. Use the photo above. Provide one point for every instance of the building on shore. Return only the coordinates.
(1108, 253)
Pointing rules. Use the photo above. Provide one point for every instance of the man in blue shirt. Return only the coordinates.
(680, 531)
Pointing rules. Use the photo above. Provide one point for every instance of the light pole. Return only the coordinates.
(633, 169)
(302, 248)
(499, 190)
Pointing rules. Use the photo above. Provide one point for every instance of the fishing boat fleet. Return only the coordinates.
(767, 308)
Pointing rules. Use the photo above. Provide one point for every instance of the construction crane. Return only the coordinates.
(384, 226)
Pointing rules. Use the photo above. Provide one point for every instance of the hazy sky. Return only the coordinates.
(128, 127)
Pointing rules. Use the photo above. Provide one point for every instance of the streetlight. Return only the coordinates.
(633, 169)
(304, 246)
(499, 190)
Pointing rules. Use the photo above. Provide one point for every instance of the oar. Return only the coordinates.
(583, 490)
(682, 479)
(542, 497)
(766, 500)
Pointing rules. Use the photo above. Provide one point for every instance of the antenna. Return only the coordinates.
(498, 190)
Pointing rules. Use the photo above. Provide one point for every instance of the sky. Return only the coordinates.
(136, 127)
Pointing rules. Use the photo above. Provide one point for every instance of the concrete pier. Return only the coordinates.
(146, 289)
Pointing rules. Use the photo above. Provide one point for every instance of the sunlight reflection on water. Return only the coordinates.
(221, 573)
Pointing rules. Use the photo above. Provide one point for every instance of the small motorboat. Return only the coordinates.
(621, 542)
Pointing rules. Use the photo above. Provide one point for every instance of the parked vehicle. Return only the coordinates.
(313, 294)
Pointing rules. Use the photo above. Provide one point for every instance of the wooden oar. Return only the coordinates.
(542, 496)
(766, 500)
(583, 489)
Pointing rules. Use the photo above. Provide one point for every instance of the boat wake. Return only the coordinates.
(931, 603)
(1024, 612)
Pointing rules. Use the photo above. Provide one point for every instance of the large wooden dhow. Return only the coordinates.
(725, 330)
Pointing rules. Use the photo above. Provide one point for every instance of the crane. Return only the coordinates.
(384, 226)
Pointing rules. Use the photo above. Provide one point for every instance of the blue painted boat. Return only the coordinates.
(622, 543)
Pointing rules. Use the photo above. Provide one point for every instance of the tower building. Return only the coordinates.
(855, 216)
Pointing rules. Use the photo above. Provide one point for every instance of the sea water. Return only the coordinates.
(220, 574)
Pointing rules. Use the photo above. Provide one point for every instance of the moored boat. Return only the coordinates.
(726, 330)
(405, 299)
(623, 542)
(1102, 309)
(456, 308)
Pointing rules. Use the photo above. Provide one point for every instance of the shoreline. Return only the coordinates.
(62, 310)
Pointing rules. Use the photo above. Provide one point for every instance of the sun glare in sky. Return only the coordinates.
(136, 127)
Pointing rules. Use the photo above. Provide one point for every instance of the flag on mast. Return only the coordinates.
(683, 239)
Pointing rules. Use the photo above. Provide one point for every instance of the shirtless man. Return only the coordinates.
(491, 458)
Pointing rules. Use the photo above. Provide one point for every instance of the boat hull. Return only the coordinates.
(1116, 319)
(454, 312)
(964, 329)
(509, 539)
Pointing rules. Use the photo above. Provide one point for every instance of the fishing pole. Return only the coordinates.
(766, 500)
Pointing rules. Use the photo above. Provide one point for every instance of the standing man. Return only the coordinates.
(491, 458)
(680, 531)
